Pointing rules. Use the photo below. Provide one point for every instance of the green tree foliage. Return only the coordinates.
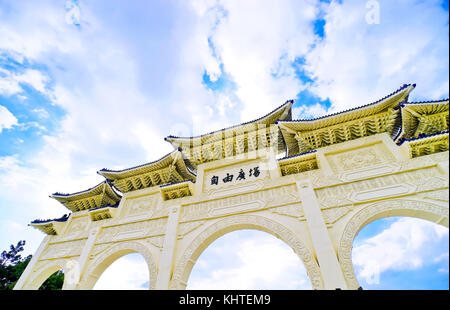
(12, 265)
(54, 282)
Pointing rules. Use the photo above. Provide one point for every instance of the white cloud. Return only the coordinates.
(8, 86)
(6, 162)
(41, 112)
(248, 260)
(10, 82)
(311, 111)
(358, 63)
(441, 257)
(257, 42)
(35, 78)
(407, 244)
(32, 30)
(72, 12)
(28, 125)
(7, 119)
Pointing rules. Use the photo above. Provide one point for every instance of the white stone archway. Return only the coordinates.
(342, 171)
(221, 227)
(97, 266)
(396, 207)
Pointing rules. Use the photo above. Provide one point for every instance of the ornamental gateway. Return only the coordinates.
(339, 173)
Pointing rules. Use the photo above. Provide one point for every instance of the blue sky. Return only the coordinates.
(86, 85)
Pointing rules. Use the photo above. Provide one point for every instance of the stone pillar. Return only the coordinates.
(21, 283)
(272, 164)
(75, 269)
(326, 256)
(199, 178)
(323, 163)
(443, 167)
(166, 260)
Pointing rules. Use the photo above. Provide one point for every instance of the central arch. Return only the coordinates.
(206, 237)
(104, 260)
(396, 207)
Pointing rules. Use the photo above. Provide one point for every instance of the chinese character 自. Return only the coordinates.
(215, 180)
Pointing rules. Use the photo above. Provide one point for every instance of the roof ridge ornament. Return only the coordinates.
(169, 168)
(379, 116)
(98, 195)
(235, 140)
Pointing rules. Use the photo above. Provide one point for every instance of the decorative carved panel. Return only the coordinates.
(246, 202)
(63, 249)
(363, 157)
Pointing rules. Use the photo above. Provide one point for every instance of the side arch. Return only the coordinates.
(39, 276)
(206, 237)
(388, 208)
(96, 267)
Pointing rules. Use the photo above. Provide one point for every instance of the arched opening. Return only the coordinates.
(248, 259)
(54, 282)
(219, 228)
(414, 208)
(402, 253)
(129, 272)
(135, 270)
(48, 277)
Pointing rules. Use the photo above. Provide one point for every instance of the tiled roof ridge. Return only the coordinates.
(297, 155)
(290, 101)
(351, 109)
(420, 102)
(173, 183)
(422, 136)
(142, 165)
(83, 191)
(107, 206)
(63, 218)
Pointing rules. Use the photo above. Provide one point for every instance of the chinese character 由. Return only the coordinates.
(228, 178)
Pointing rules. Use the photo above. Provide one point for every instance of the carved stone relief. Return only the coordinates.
(292, 210)
(77, 228)
(359, 158)
(156, 241)
(132, 230)
(147, 205)
(185, 228)
(407, 182)
(246, 202)
(63, 249)
(439, 195)
(332, 215)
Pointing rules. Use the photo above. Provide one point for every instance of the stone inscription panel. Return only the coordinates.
(241, 173)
